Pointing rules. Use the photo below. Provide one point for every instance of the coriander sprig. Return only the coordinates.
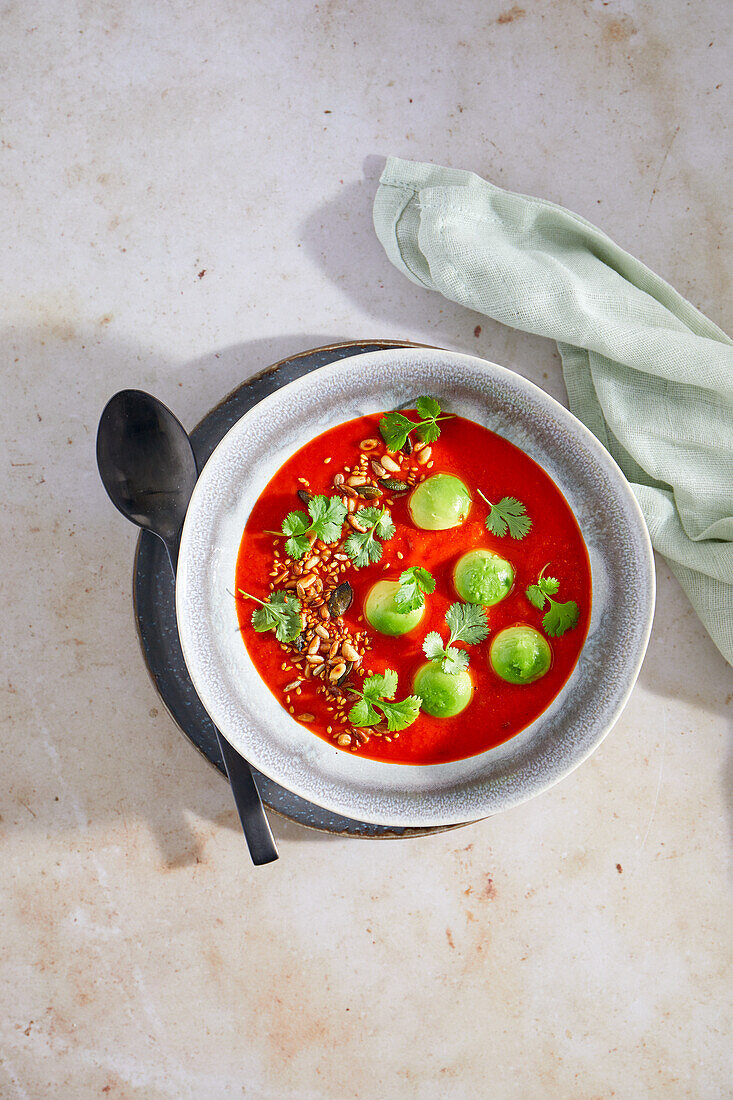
(507, 514)
(396, 428)
(376, 695)
(281, 613)
(467, 623)
(414, 583)
(324, 521)
(362, 546)
(561, 616)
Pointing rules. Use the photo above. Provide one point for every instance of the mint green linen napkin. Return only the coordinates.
(647, 373)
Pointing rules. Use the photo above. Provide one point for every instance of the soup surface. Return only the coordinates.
(483, 461)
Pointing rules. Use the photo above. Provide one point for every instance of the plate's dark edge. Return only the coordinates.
(259, 386)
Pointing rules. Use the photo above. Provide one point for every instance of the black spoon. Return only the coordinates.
(148, 468)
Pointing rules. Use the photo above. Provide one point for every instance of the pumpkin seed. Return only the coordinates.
(369, 492)
(299, 643)
(340, 599)
(407, 448)
(394, 484)
(305, 496)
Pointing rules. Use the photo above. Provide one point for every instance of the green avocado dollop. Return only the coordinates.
(520, 654)
(439, 503)
(481, 576)
(383, 614)
(443, 694)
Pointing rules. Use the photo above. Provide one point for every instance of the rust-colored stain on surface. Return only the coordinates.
(513, 13)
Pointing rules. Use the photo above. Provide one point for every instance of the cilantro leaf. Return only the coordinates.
(362, 549)
(280, 613)
(378, 685)
(324, 521)
(363, 714)
(428, 407)
(508, 514)
(295, 523)
(467, 622)
(401, 715)
(377, 692)
(432, 647)
(413, 583)
(455, 660)
(395, 427)
(428, 433)
(560, 617)
(536, 596)
(362, 546)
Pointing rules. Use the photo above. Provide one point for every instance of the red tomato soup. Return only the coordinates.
(482, 460)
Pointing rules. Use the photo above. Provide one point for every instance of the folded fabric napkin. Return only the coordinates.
(647, 373)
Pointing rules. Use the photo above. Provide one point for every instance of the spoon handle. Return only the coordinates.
(256, 827)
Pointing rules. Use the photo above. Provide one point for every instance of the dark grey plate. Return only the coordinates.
(154, 600)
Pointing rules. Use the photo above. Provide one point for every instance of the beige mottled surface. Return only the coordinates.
(186, 191)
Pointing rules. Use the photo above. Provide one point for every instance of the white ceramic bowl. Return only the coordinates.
(244, 708)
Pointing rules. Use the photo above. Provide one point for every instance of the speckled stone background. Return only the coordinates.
(186, 194)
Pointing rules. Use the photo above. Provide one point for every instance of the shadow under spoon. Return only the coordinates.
(148, 468)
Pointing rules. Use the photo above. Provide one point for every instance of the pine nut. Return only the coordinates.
(357, 479)
(314, 659)
(353, 522)
(337, 672)
(349, 652)
(344, 740)
(390, 464)
(338, 480)
(424, 456)
(314, 646)
(323, 633)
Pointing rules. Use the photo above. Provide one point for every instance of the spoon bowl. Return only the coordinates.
(147, 464)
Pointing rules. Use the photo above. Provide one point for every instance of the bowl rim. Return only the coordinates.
(408, 815)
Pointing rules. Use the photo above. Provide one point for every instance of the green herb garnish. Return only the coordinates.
(413, 583)
(362, 547)
(560, 616)
(377, 693)
(507, 514)
(467, 623)
(281, 613)
(324, 521)
(396, 428)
